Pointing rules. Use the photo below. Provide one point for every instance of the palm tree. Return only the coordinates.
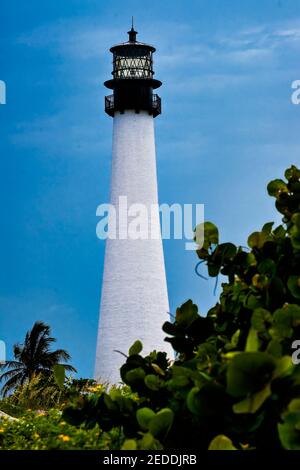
(32, 358)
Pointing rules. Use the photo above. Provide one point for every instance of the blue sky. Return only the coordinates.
(228, 127)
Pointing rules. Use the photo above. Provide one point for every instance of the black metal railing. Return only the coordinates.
(154, 107)
(109, 103)
(156, 104)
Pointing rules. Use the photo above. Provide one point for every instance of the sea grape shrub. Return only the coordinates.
(232, 384)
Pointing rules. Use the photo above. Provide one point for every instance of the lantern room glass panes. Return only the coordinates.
(133, 62)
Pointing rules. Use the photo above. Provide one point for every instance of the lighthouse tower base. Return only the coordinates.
(134, 301)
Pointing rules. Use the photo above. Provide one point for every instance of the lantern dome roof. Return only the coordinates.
(132, 42)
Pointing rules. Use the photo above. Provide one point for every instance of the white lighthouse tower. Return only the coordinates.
(134, 300)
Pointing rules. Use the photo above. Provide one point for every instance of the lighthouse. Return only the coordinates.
(134, 299)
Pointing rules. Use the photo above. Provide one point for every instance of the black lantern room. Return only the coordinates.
(132, 81)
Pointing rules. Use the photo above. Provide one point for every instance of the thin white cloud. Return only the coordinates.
(249, 55)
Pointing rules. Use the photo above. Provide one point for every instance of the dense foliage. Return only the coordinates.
(47, 431)
(233, 383)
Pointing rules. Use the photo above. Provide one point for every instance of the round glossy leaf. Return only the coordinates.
(292, 173)
(221, 442)
(129, 444)
(267, 228)
(161, 422)
(144, 416)
(248, 372)
(135, 376)
(136, 348)
(257, 239)
(148, 442)
(210, 233)
(261, 319)
(276, 187)
(153, 382)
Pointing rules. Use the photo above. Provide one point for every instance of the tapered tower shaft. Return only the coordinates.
(134, 300)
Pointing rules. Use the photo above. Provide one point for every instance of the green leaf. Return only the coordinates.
(283, 367)
(210, 233)
(267, 266)
(253, 403)
(135, 376)
(148, 442)
(274, 348)
(294, 405)
(285, 319)
(129, 444)
(178, 382)
(161, 422)
(261, 319)
(136, 348)
(187, 313)
(279, 232)
(207, 400)
(276, 187)
(153, 382)
(235, 338)
(292, 173)
(294, 286)
(59, 373)
(144, 416)
(227, 250)
(193, 402)
(289, 429)
(221, 442)
(248, 372)
(267, 228)
(260, 281)
(213, 268)
(252, 301)
(170, 328)
(111, 405)
(252, 343)
(257, 239)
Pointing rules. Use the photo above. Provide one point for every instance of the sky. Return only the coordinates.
(228, 127)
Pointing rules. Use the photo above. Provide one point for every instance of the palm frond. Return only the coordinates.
(68, 367)
(12, 383)
(10, 373)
